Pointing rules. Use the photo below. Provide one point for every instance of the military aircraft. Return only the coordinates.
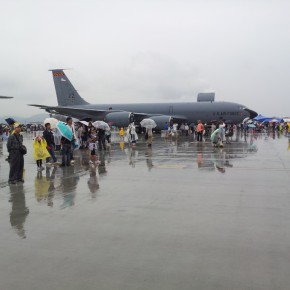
(3, 97)
(70, 103)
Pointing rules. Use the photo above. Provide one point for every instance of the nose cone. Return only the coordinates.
(252, 114)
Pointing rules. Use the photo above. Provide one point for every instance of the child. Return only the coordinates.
(39, 151)
(92, 146)
(121, 133)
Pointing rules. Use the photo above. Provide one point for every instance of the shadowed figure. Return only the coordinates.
(19, 210)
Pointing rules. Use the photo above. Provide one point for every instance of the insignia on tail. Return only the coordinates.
(65, 91)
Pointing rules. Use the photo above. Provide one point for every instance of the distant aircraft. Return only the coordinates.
(3, 97)
(120, 115)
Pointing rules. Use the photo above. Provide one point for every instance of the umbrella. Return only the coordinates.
(52, 121)
(274, 120)
(10, 121)
(148, 123)
(101, 125)
(213, 136)
(246, 119)
(261, 118)
(64, 130)
(251, 126)
(85, 123)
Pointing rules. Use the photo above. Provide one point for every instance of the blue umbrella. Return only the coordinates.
(251, 126)
(215, 134)
(64, 130)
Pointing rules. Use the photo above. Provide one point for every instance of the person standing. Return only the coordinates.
(70, 123)
(186, 129)
(149, 136)
(40, 151)
(16, 159)
(222, 125)
(121, 134)
(49, 138)
(101, 139)
(92, 146)
(199, 130)
(66, 148)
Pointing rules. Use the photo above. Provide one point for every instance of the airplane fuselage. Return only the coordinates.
(191, 111)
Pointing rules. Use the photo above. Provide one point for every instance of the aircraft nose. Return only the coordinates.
(252, 113)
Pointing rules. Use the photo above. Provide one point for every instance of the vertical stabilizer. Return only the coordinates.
(65, 92)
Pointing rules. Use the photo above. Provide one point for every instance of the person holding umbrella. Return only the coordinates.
(66, 142)
(149, 124)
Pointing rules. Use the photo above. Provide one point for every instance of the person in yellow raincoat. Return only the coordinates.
(39, 151)
(121, 133)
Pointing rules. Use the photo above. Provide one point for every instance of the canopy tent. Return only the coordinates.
(261, 118)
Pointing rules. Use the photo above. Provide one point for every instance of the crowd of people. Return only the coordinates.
(86, 136)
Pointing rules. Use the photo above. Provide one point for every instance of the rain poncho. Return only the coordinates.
(39, 149)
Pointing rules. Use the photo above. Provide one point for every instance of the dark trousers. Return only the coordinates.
(102, 143)
(51, 152)
(39, 163)
(66, 154)
(199, 136)
(16, 162)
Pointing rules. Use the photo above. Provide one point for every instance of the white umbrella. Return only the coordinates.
(85, 123)
(52, 121)
(101, 125)
(246, 119)
(148, 123)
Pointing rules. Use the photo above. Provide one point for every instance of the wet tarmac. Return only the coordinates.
(179, 215)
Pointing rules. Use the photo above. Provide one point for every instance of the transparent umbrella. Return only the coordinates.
(246, 119)
(101, 125)
(148, 123)
(52, 121)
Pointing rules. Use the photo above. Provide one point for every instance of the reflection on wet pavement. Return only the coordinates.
(19, 210)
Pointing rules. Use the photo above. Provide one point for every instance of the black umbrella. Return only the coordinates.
(10, 121)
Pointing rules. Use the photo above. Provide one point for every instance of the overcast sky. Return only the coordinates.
(146, 51)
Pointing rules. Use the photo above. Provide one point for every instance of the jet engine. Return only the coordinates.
(119, 119)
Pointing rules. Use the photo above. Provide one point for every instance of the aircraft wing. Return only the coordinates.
(79, 113)
(118, 118)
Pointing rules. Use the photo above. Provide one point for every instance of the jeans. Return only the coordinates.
(51, 152)
(66, 154)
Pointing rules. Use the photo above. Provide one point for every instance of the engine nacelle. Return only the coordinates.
(161, 120)
(119, 119)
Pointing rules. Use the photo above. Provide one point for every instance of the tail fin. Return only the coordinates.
(65, 92)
